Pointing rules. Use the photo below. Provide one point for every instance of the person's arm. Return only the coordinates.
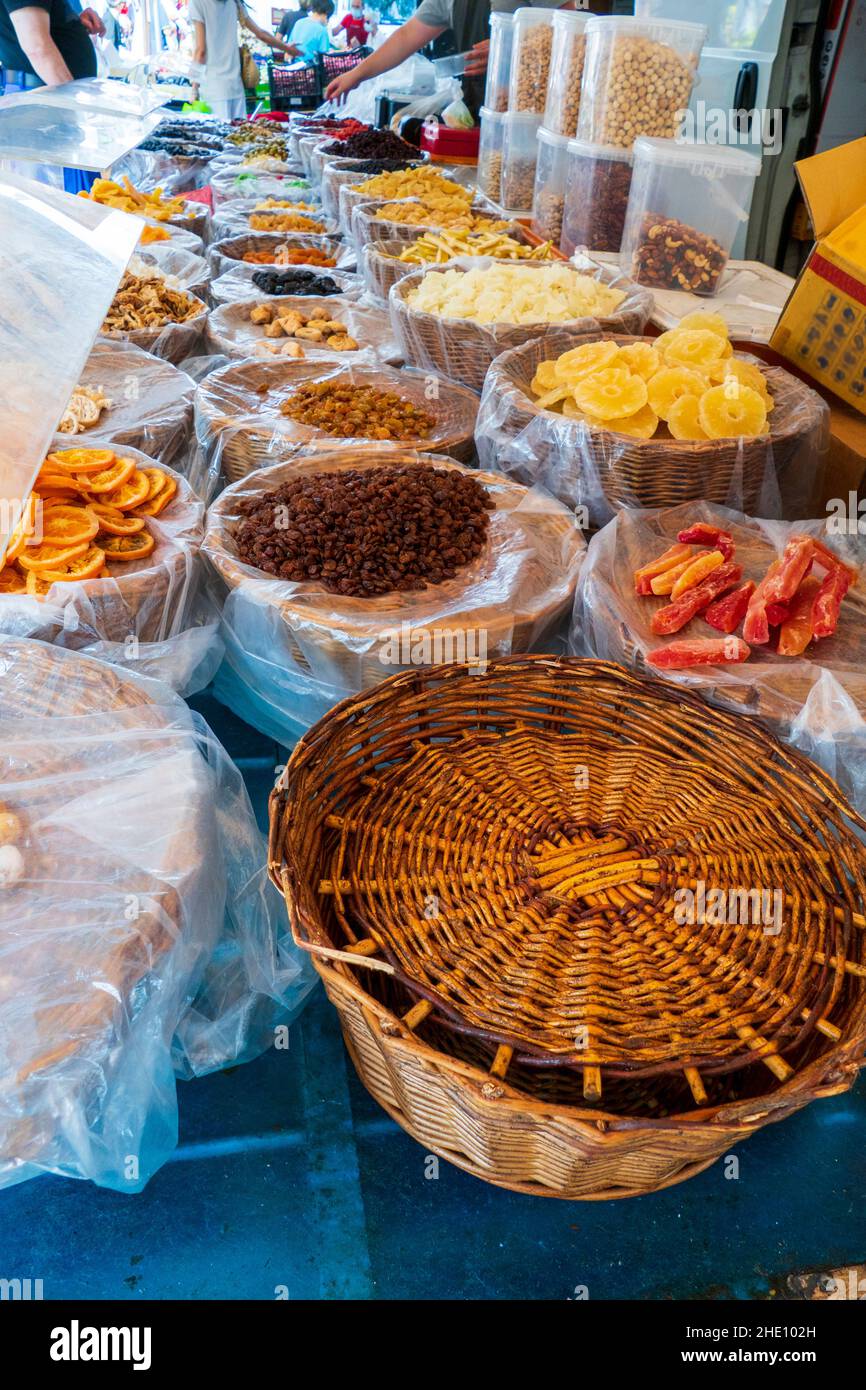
(33, 30)
(270, 39)
(409, 38)
(199, 42)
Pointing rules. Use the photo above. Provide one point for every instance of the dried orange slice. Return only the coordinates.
(157, 504)
(47, 481)
(84, 566)
(64, 525)
(110, 478)
(133, 492)
(12, 581)
(37, 586)
(158, 479)
(43, 558)
(81, 460)
(53, 496)
(732, 410)
(115, 522)
(135, 547)
(26, 527)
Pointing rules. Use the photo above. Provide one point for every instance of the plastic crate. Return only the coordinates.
(333, 65)
(294, 88)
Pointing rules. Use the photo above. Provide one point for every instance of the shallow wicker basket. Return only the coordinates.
(235, 416)
(151, 403)
(484, 868)
(237, 283)
(381, 268)
(463, 349)
(234, 221)
(367, 226)
(195, 219)
(509, 599)
(336, 172)
(573, 460)
(230, 331)
(172, 341)
(223, 255)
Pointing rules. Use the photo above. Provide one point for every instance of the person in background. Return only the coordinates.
(291, 17)
(45, 42)
(215, 44)
(310, 34)
(353, 24)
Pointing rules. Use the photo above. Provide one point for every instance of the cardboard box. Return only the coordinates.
(822, 328)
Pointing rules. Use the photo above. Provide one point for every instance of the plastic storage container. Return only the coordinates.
(684, 209)
(597, 184)
(519, 155)
(499, 62)
(637, 78)
(490, 151)
(548, 201)
(530, 60)
(566, 72)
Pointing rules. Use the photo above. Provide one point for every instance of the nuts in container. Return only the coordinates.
(685, 207)
(562, 107)
(597, 184)
(637, 78)
(530, 60)
(519, 156)
(548, 199)
(490, 151)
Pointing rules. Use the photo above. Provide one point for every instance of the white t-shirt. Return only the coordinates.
(222, 78)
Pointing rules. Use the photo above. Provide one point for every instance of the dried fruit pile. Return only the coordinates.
(294, 282)
(357, 412)
(515, 294)
(788, 609)
(148, 303)
(366, 532)
(434, 248)
(88, 510)
(371, 144)
(530, 67)
(289, 255)
(421, 182)
(687, 378)
(266, 221)
(671, 255)
(643, 87)
(86, 404)
(440, 212)
(128, 198)
(376, 166)
(317, 327)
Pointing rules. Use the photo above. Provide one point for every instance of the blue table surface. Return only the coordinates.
(289, 1180)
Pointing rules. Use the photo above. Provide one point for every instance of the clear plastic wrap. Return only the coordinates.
(532, 41)
(149, 169)
(237, 283)
(229, 252)
(151, 403)
(463, 349)
(173, 341)
(816, 702)
(241, 423)
(562, 106)
(499, 61)
(771, 475)
(508, 600)
(231, 332)
(37, 126)
(141, 936)
(234, 221)
(192, 271)
(179, 237)
(234, 182)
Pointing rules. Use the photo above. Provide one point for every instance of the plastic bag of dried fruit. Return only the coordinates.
(295, 648)
(597, 470)
(816, 700)
(97, 573)
(138, 934)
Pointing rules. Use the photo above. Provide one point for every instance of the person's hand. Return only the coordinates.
(92, 23)
(290, 49)
(340, 88)
(476, 62)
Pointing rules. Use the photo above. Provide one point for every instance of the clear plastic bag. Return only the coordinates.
(237, 283)
(817, 701)
(295, 644)
(230, 330)
(190, 270)
(232, 182)
(173, 341)
(234, 220)
(141, 936)
(226, 254)
(599, 471)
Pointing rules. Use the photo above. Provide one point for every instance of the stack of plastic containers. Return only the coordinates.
(561, 109)
(490, 151)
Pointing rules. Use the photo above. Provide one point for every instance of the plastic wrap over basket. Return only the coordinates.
(231, 183)
(816, 701)
(226, 254)
(141, 915)
(369, 226)
(178, 236)
(595, 469)
(190, 270)
(237, 283)
(507, 600)
(231, 331)
(150, 169)
(464, 349)
(238, 415)
(173, 341)
(234, 221)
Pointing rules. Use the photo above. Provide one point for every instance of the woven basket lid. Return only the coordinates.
(585, 868)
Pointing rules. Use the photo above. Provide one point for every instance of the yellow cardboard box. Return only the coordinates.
(822, 327)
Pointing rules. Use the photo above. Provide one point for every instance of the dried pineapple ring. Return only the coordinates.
(114, 522)
(157, 504)
(545, 378)
(43, 558)
(747, 373)
(683, 421)
(81, 460)
(84, 566)
(612, 394)
(726, 414)
(669, 384)
(641, 358)
(135, 547)
(65, 525)
(133, 492)
(551, 398)
(696, 347)
(111, 478)
(26, 527)
(642, 424)
(12, 581)
(702, 318)
(589, 357)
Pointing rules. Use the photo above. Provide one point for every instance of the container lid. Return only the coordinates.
(550, 137)
(528, 118)
(529, 16)
(488, 113)
(726, 158)
(588, 149)
(649, 28)
(571, 19)
(499, 19)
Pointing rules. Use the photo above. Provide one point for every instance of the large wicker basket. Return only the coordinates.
(230, 331)
(229, 252)
(493, 872)
(336, 172)
(509, 599)
(588, 466)
(151, 403)
(237, 283)
(234, 221)
(368, 226)
(463, 349)
(234, 415)
(381, 268)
